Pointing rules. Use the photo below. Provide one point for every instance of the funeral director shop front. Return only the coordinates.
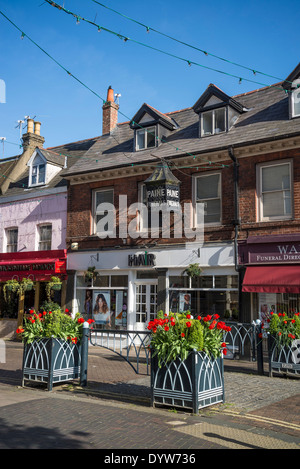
(131, 285)
(272, 273)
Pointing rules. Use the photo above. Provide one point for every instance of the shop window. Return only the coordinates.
(209, 294)
(208, 191)
(45, 237)
(105, 300)
(12, 240)
(274, 191)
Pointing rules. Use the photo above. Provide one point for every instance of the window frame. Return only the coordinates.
(145, 130)
(37, 174)
(43, 225)
(7, 230)
(195, 201)
(296, 84)
(94, 212)
(213, 111)
(259, 193)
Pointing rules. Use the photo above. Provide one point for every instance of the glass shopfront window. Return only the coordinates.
(104, 300)
(204, 295)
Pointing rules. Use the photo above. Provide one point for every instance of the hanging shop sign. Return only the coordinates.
(163, 189)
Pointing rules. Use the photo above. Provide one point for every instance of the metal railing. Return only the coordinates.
(134, 346)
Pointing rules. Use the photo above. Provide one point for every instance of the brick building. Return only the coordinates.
(237, 156)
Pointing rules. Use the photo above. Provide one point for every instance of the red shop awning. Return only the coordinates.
(39, 269)
(272, 279)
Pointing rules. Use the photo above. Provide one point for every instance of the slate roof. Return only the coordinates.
(266, 118)
(55, 155)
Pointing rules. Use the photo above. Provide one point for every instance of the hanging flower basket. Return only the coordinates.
(11, 286)
(193, 270)
(90, 274)
(54, 284)
(25, 285)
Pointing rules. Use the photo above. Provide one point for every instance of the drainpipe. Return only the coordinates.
(236, 221)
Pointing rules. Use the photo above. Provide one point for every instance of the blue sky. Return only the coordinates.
(262, 35)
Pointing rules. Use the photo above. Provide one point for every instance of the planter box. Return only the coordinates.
(283, 360)
(51, 361)
(193, 383)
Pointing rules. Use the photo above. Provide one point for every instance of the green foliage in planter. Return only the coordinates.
(51, 324)
(284, 329)
(177, 334)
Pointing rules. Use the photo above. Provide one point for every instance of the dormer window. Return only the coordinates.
(145, 138)
(217, 111)
(38, 174)
(150, 127)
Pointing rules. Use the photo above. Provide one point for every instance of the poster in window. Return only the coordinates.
(101, 307)
(267, 303)
(185, 302)
(88, 303)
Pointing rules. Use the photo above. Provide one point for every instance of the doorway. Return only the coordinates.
(146, 303)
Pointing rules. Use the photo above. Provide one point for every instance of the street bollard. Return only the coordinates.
(84, 353)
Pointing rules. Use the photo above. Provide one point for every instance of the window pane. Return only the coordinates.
(179, 282)
(296, 101)
(150, 137)
(207, 128)
(219, 120)
(42, 169)
(119, 280)
(212, 211)
(276, 204)
(208, 187)
(12, 240)
(275, 178)
(104, 197)
(140, 139)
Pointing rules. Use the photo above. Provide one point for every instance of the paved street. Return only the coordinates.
(113, 412)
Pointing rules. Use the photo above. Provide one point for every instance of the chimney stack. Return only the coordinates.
(33, 138)
(110, 113)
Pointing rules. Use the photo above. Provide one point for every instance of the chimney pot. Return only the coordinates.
(110, 95)
(110, 113)
(30, 125)
(37, 128)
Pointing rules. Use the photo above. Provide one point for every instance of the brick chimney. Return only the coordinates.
(110, 113)
(32, 138)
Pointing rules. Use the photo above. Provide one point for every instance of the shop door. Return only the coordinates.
(146, 303)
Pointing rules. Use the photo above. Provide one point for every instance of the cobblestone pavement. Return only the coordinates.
(113, 412)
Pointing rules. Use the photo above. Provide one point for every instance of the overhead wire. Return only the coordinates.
(127, 38)
(162, 140)
(205, 52)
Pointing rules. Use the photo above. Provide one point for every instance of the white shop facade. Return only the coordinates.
(131, 285)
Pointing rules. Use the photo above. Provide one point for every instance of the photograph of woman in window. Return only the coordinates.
(101, 311)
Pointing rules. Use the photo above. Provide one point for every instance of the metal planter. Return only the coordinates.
(283, 360)
(193, 383)
(51, 360)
